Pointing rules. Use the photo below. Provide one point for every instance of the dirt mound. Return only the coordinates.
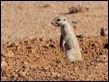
(41, 59)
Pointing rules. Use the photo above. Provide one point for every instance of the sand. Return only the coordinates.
(30, 43)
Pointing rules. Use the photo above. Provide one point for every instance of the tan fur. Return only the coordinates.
(68, 40)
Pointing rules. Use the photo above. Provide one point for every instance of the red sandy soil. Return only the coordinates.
(30, 44)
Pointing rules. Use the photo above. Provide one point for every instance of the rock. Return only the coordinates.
(46, 46)
(106, 45)
(55, 74)
(3, 63)
(52, 46)
(7, 53)
(10, 54)
(40, 39)
(104, 31)
(10, 44)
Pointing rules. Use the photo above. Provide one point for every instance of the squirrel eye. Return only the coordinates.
(58, 19)
(64, 19)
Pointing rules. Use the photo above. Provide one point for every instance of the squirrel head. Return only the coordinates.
(59, 21)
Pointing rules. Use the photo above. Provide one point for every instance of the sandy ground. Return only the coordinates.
(30, 44)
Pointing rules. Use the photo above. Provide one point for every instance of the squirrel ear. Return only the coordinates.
(64, 19)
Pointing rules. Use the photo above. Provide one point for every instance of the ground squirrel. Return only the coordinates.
(68, 40)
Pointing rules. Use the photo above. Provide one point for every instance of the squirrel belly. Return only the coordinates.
(72, 49)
